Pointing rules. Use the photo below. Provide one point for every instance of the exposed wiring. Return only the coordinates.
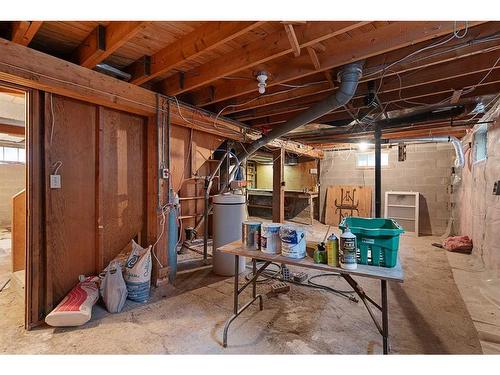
(57, 165)
(277, 274)
(162, 224)
(52, 119)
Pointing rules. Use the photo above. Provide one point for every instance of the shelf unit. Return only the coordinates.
(403, 206)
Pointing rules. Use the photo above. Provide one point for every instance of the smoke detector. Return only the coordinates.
(262, 78)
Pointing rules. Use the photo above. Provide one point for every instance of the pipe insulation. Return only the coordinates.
(459, 151)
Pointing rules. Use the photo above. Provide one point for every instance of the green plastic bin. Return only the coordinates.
(377, 239)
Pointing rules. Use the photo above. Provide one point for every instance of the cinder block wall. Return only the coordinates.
(427, 169)
(12, 181)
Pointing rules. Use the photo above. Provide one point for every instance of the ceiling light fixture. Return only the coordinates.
(262, 78)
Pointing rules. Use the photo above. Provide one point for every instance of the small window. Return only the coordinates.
(367, 160)
(480, 146)
(12, 155)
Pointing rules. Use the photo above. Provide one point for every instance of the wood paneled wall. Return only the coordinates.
(70, 139)
(122, 170)
(101, 203)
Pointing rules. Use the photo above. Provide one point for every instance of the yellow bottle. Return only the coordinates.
(332, 250)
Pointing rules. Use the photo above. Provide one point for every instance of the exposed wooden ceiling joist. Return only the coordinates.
(468, 47)
(285, 69)
(204, 39)
(268, 48)
(104, 41)
(441, 72)
(24, 31)
(422, 94)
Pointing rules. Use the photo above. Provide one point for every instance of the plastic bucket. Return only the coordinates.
(270, 242)
(293, 242)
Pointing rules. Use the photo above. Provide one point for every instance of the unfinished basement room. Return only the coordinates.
(250, 185)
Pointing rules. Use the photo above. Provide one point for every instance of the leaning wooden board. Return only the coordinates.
(374, 272)
(347, 200)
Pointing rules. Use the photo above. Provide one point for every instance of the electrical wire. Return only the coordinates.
(268, 275)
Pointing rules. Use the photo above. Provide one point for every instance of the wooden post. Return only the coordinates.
(279, 185)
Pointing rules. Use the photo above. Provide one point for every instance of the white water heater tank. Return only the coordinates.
(229, 214)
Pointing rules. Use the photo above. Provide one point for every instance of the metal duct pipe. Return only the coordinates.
(459, 151)
(349, 77)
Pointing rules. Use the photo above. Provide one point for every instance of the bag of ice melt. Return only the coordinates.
(76, 308)
(113, 288)
(137, 273)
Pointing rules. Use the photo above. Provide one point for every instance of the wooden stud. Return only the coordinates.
(104, 41)
(314, 58)
(23, 32)
(279, 186)
(292, 38)
(35, 254)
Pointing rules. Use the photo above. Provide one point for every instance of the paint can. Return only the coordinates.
(250, 234)
(293, 242)
(347, 253)
(270, 242)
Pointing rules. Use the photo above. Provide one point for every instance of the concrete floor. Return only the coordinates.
(480, 289)
(427, 315)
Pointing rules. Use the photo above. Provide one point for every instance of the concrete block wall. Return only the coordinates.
(12, 181)
(427, 169)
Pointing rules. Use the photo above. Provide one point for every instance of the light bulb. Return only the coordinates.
(363, 146)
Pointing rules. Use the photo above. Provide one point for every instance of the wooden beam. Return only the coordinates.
(12, 129)
(292, 39)
(361, 46)
(268, 48)
(279, 186)
(206, 38)
(104, 41)
(23, 32)
(314, 58)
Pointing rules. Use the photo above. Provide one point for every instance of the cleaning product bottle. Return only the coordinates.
(348, 250)
(319, 255)
(332, 250)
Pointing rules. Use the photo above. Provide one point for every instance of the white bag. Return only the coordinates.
(113, 288)
(76, 308)
(137, 273)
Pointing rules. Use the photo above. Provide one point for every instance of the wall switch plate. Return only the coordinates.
(496, 188)
(164, 173)
(313, 171)
(55, 181)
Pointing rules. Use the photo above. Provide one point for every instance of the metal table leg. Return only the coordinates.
(385, 316)
(237, 291)
(368, 302)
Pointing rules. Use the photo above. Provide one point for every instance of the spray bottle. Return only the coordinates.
(348, 250)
